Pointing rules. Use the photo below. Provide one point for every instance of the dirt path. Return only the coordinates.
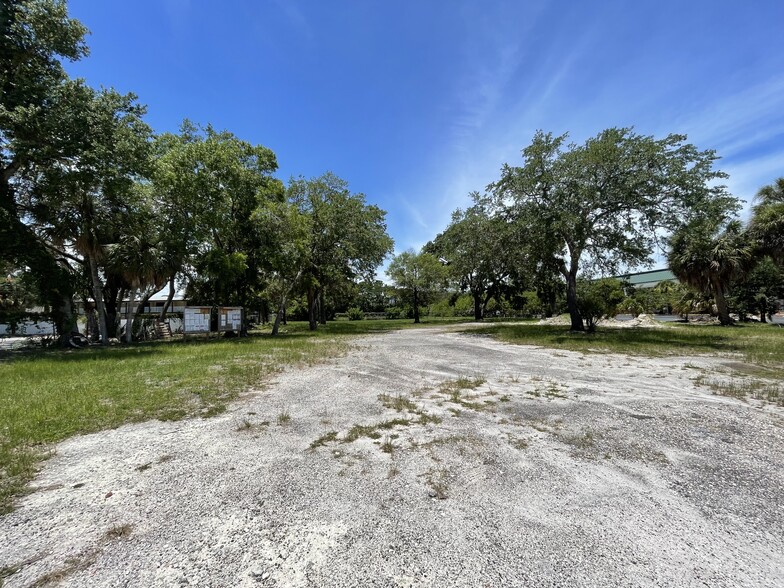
(556, 470)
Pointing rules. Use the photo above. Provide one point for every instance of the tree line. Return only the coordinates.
(545, 231)
(95, 206)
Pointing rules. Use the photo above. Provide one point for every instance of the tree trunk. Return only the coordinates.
(129, 314)
(322, 307)
(763, 308)
(98, 295)
(280, 315)
(312, 322)
(285, 292)
(93, 332)
(169, 298)
(477, 306)
(571, 302)
(416, 306)
(64, 320)
(721, 304)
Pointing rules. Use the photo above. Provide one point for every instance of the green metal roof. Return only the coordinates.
(650, 278)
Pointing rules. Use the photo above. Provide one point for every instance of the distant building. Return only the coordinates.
(648, 279)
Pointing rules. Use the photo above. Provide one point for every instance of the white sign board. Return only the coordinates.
(230, 318)
(196, 319)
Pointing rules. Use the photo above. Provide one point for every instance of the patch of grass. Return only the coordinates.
(455, 388)
(584, 440)
(742, 388)
(72, 566)
(372, 431)
(450, 387)
(393, 471)
(324, 439)
(49, 395)
(144, 467)
(518, 442)
(387, 446)
(757, 344)
(398, 402)
(283, 418)
(425, 419)
(448, 440)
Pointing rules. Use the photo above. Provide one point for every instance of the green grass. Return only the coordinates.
(47, 396)
(761, 345)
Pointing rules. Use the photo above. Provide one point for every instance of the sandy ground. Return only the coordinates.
(558, 470)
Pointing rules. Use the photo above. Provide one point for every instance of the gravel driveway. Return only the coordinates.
(504, 466)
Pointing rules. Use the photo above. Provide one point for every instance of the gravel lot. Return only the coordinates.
(558, 469)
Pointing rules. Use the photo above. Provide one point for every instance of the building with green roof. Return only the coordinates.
(649, 279)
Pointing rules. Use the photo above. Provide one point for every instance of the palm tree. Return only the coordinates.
(141, 261)
(767, 221)
(707, 258)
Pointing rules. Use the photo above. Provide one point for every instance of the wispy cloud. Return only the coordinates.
(741, 120)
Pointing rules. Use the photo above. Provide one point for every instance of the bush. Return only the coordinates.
(597, 299)
(355, 314)
(399, 312)
(631, 306)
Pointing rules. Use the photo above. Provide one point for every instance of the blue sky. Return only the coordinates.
(416, 103)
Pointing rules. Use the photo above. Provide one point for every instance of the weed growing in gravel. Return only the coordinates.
(387, 446)
(438, 480)
(245, 425)
(462, 383)
(518, 442)
(398, 402)
(425, 419)
(393, 471)
(358, 431)
(371, 431)
(144, 467)
(742, 388)
(72, 566)
(584, 440)
(284, 418)
(324, 439)
(119, 531)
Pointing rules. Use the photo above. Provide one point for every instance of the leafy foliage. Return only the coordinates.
(708, 256)
(603, 204)
(418, 276)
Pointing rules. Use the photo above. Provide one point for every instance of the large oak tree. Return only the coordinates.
(605, 204)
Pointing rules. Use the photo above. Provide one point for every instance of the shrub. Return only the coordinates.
(598, 298)
(631, 306)
(355, 314)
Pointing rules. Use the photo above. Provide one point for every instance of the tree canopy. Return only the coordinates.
(605, 204)
(418, 276)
